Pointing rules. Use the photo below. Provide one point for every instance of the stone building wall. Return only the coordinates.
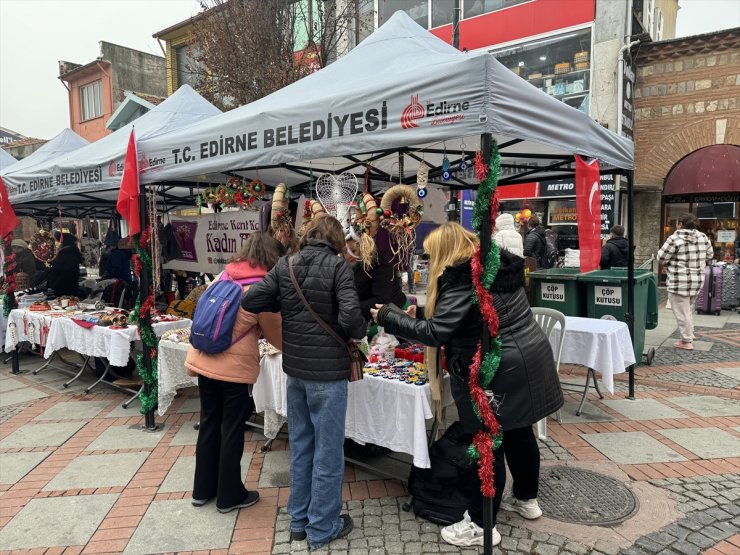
(687, 96)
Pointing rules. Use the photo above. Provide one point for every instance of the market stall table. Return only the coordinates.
(101, 341)
(602, 346)
(171, 374)
(381, 411)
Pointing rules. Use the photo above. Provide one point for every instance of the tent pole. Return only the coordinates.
(485, 246)
(630, 316)
(145, 281)
(453, 208)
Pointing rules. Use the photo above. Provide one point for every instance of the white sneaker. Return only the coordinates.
(529, 508)
(467, 533)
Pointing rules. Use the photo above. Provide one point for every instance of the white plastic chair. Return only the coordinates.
(547, 318)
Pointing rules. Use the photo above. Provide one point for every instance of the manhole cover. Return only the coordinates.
(584, 497)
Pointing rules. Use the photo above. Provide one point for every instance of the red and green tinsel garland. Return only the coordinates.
(139, 316)
(7, 287)
(484, 368)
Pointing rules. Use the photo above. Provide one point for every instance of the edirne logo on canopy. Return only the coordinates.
(334, 125)
(442, 113)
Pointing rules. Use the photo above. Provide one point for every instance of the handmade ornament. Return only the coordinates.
(236, 192)
(312, 209)
(280, 222)
(43, 247)
(401, 226)
(365, 222)
(446, 174)
(422, 178)
(481, 168)
(336, 194)
(462, 165)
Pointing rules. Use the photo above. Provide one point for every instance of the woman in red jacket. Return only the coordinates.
(223, 382)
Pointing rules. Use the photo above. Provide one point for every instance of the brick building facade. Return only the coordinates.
(686, 98)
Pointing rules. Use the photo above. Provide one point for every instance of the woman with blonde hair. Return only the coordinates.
(525, 387)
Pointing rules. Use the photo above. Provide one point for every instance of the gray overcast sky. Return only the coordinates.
(35, 34)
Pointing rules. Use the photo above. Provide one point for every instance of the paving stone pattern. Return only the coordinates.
(720, 351)
(714, 505)
(706, 377)
(550, 450)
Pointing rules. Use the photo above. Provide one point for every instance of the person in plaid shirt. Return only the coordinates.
(685, 253)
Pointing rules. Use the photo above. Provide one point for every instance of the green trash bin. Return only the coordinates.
(606, 294)
(560, 289)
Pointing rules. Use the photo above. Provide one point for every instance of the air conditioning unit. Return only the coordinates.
(657, 32)
(647, 15)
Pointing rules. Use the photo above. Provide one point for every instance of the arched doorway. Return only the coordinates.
(706, 183)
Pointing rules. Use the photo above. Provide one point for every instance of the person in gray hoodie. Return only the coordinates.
(685, 253)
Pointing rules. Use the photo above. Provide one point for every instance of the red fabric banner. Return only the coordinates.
(8, 219)
(588, 209)
(128, 195)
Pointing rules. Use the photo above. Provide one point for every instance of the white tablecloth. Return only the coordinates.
(29, 326)
(603, 345)
(171, 373)
(99, 341)
(3, 325)
(384, 412)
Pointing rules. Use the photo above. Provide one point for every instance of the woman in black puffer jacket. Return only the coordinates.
(526, 385)
(318, 368)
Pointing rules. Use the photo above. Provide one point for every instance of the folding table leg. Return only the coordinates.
(82, 369)
(583, 397)
(45, 365)
(132, 399)
(100, 379)
(596, 383)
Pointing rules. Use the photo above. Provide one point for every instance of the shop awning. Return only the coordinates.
(713, 169)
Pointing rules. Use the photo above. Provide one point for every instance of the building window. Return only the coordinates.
(559, 65)
(91, 99)
(442, 12)
(418, 10)
(187, 68)
(479, 7)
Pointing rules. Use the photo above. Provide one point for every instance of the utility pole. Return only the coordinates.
(453, 208)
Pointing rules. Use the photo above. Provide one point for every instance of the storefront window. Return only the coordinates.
(718, 220)
(559, 65)
(479, 7)
(442, 12)
(418, 10)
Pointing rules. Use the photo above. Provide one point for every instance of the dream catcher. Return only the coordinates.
(401, 223)
(336, 193)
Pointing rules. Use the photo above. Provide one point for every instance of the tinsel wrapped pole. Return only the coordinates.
(145, 323)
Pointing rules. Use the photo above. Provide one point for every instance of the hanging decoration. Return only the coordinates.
(483, 368)
(446, 174)
(463, 164)
(43, 247)
(280, 220)
(146, 332)
(481, 168)
(336, 193)
(7, 287)
(236, 192)
(365, 222)
(401, 225)
(312, 209)
(422, 179)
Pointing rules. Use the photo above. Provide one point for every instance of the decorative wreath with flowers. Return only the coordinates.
(401, 222)
(236, 192)
(43, 247)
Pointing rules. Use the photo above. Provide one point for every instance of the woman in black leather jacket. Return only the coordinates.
(526, 386)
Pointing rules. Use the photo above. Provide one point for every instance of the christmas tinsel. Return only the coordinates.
(140, 317)
(7, 286)
(483, 368)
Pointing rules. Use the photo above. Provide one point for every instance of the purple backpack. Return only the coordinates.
(215, 315)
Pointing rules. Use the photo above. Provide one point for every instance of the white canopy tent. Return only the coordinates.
(91, 175)
(63, 143)
(6, 160)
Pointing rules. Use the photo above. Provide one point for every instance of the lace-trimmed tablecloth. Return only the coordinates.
(29, 326)
(99, 341)
(171, 373)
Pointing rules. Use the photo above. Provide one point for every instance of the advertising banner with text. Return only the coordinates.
(209, 241)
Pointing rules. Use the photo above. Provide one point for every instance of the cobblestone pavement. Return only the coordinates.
(707, 377)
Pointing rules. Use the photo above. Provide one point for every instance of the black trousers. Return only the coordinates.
(519, 449)
(224, 407)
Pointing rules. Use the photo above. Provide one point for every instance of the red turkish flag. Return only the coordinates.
(588, 210)
(128, 195)
(8, 219)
